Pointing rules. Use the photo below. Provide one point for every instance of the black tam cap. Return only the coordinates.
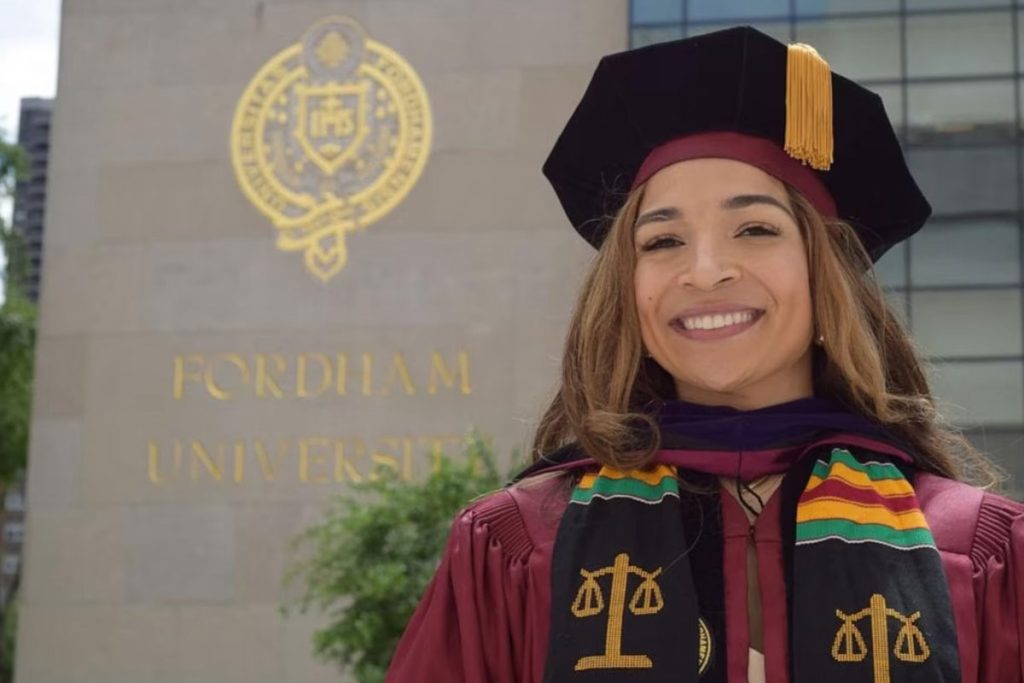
(743, 95)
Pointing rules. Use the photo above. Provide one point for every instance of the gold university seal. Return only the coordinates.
(329, 136)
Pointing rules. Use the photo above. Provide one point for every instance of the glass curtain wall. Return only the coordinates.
(949, 72)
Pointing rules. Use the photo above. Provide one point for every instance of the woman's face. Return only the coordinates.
(722, 287)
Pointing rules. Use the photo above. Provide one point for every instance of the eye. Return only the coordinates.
(759, 230)
(660, 243)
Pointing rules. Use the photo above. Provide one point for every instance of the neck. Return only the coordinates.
(773, 390)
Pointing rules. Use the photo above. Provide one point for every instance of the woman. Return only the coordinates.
(742, 476)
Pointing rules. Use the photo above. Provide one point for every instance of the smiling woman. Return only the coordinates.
(726, 242)
(742, 476)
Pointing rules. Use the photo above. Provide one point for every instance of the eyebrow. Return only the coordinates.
(740, 201)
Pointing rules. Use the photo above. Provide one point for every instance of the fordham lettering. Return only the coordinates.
(315, 374)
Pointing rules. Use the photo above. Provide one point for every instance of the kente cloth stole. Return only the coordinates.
(638, 595)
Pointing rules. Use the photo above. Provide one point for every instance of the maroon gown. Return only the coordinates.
(484, 616)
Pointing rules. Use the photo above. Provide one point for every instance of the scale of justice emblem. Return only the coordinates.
(849, 644)
(646, 599)
(330, 135)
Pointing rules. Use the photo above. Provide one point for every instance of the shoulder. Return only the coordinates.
(967, 520)
(520, 519)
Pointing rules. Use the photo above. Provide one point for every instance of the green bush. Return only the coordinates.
(375, 551)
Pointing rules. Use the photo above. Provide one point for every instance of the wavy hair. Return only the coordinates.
(868, 361)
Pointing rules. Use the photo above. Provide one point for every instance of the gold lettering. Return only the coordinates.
(343, 464)
(211, 384)
(342, 373)
(300, 370)
(201, 455)
(239, 460)
(226, 461)
(154, 462)
(265, 461)
(180, 374)
(438, 368)
(399, 370)
(384, 459)
(367, 374)
(263, 376)
(332, 118)
(305, 455)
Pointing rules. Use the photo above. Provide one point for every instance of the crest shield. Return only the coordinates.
(331, 122)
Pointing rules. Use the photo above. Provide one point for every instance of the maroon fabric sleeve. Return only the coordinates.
(997, 557)
(478, 619)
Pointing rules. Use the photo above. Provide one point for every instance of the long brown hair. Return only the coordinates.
(868, 361)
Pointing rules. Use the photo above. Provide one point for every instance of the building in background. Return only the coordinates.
(28, 222)
(30, 193)
(949, 72)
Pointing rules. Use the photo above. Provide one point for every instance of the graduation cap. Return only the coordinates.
(736, 94)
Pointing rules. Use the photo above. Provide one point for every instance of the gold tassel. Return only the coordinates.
(808, 107)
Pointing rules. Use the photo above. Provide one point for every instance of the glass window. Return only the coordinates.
(961, 112)
(13, 500)
(891, 269)
(959, 44)
(658, 34)
(657, 11)
(824, 7)
(979, 392)
(892, 98)
(14, 532)
(959, 180)
(966, 252)
(1004, 447)
(778, 31)
(957, 4)
(703, 10)
(968, 322)
(898, 305)
(856, 48)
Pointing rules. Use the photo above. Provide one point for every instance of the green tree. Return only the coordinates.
(374, 553)
(17, 344)
(17, 332)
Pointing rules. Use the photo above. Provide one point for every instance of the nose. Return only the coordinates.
(707, 266)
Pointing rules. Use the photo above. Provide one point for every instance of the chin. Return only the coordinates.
(717, 385)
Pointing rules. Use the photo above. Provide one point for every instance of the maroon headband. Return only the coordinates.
(759, 152)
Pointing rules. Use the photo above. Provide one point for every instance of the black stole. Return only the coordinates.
(637, 575)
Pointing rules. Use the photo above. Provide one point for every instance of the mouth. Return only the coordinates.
(719, 326)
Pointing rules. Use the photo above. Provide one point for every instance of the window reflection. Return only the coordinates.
(972, 112)
(961, 180)
(978, 392)
(658, 34)
(966, 252)
(954, 4)
(959, 44)
(898, 306)
(824, 7)
(657, 11)
(891, 269)
(856, 48)
(777, 30)
(1004, 446)
(892, 98)
(702, 10)
(983, 322)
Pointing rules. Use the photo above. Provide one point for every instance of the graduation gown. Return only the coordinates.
(484, 616)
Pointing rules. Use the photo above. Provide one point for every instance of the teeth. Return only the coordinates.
(713, 322)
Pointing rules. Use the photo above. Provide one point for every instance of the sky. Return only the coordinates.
(29, 31)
